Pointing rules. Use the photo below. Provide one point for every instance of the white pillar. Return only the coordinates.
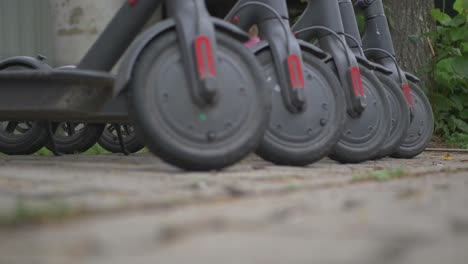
(76, 26)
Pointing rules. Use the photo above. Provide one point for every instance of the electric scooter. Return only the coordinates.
(400, 110)
(197, 98)
(368, 108)
(308, 110)
(378, 45)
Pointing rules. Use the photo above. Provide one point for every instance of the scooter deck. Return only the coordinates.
(114, 111)
(57, 95)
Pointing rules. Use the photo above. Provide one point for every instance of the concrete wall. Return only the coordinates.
(25, 28)
(77, 24)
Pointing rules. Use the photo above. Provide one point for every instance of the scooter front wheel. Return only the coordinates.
(400, 115)
(421, 128)
(180, 131)
(299, 139)
(365, 134)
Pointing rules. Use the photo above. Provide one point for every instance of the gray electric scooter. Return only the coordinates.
(400, 110)
(308, 110)
(378, 45)
(368, 119)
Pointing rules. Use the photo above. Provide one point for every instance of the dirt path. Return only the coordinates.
(113, 209)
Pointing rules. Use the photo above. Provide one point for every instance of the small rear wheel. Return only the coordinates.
(110, 139)
(421, 128)
(74, 138)
(22, 138)
(181, 132)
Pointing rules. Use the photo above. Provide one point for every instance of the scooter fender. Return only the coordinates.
(373, 66)
(318, 52)
(25, 61)
(229, 28)
(412, 77)
(126, 68)
(322, 55)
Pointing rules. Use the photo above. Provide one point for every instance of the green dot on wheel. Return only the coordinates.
(202, 117)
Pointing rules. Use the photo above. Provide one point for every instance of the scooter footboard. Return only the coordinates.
(52, 94)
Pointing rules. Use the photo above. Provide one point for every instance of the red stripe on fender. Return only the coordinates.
(357, 81)
(199, 43)
(407, 91)
(294, 59)
(133, 2)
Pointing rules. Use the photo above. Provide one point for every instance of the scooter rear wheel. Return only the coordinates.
(400, 115)
(181, 132)
(302, 138)
(364, 135)
(421, 128)
(74, 138)
(22, 138)
(110, 140)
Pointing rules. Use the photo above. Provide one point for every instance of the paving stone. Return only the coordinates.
(139, 210)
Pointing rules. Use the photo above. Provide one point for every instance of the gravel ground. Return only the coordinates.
(115, 209)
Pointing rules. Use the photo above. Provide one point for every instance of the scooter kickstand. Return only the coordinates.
(50, 132)
(121, 140)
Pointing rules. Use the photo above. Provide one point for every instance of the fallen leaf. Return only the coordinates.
(448, 157)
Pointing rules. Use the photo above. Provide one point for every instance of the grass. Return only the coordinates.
(95, 150)
(26, 213)
(381, 175)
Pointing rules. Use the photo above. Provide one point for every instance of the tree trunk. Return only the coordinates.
(409, 20)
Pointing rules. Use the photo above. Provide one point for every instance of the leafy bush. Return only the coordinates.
(449, 96)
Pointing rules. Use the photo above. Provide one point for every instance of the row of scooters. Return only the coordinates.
(202, 94)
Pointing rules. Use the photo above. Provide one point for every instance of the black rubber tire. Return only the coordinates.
(27, 142)
(299, 139)
(400, 115)
(110, 141)
(347, 150)
(83, 140)
(183, 147)
(421, 128)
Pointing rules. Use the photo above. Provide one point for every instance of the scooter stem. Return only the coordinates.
(272, 19)
(197, 41)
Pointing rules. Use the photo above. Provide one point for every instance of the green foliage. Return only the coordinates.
(95, 150)
(449, 97)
